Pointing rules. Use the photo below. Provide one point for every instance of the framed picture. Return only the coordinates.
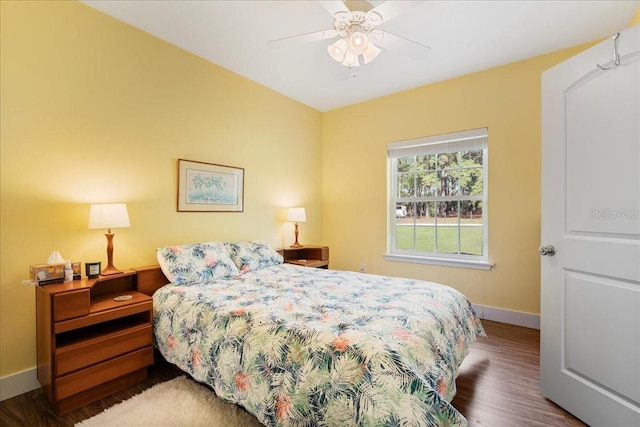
(207, 187)
(92, 269)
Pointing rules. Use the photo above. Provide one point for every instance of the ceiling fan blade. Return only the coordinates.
(302, 38)
(390, 9)
(334, 6)
(399, 44)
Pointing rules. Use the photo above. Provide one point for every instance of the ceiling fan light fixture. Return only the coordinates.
(338, 50)
(370, 53)
(357, 33)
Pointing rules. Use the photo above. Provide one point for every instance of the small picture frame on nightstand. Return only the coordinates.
(92, 269)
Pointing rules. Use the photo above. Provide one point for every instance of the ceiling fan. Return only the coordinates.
(355, 23)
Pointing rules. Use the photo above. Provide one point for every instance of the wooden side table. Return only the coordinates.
(307, 256)
(94, 338)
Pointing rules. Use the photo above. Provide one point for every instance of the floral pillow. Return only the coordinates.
(250, 256)
(196, 263)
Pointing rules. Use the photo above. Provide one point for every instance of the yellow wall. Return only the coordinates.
(636, 18)
(506, 100)
(94, 110)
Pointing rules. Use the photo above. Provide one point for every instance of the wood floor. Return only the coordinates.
(499, 382)
(497, 387)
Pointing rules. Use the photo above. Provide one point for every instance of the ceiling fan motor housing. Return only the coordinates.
(347, 23)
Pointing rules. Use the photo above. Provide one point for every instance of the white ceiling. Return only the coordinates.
(465, 37)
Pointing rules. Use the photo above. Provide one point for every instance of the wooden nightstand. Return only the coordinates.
(308, 256)
(90, 345)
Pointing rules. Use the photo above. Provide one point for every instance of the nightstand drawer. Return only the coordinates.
(101, 347)
(71, 304)
(85, 379)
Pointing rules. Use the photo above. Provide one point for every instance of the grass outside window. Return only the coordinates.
(471, 241)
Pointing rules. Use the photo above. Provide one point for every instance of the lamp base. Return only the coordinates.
(296, 244)
(110, 270)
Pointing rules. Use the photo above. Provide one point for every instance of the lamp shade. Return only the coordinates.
(358, 42)
(351, 60)
(338, 49)
(109, 215)
(370, 53)
(296, 215)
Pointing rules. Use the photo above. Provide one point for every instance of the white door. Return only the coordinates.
(590, 290)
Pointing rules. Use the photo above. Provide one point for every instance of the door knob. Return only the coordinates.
(547, 250)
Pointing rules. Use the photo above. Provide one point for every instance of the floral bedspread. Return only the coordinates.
(299, 346)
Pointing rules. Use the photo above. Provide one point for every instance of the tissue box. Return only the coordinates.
(52, 273)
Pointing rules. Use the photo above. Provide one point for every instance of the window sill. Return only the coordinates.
(447, 262)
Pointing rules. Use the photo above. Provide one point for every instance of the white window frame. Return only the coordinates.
(470, 140)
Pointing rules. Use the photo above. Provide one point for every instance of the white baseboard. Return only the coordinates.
(19, 383)
(511, 317)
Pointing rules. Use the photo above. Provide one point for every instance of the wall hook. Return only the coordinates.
(616, 55)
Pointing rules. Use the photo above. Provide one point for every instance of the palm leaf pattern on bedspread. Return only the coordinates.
(309, 347)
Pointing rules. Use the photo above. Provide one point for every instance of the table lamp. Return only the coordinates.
(296, 215)
(109, 215)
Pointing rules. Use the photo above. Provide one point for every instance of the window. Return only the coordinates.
(438, 200)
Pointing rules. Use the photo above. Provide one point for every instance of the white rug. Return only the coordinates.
(178, 402)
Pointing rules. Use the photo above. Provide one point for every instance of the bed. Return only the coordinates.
(299, 346)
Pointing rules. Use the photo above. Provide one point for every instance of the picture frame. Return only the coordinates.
(209, 187)
(92, 269)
